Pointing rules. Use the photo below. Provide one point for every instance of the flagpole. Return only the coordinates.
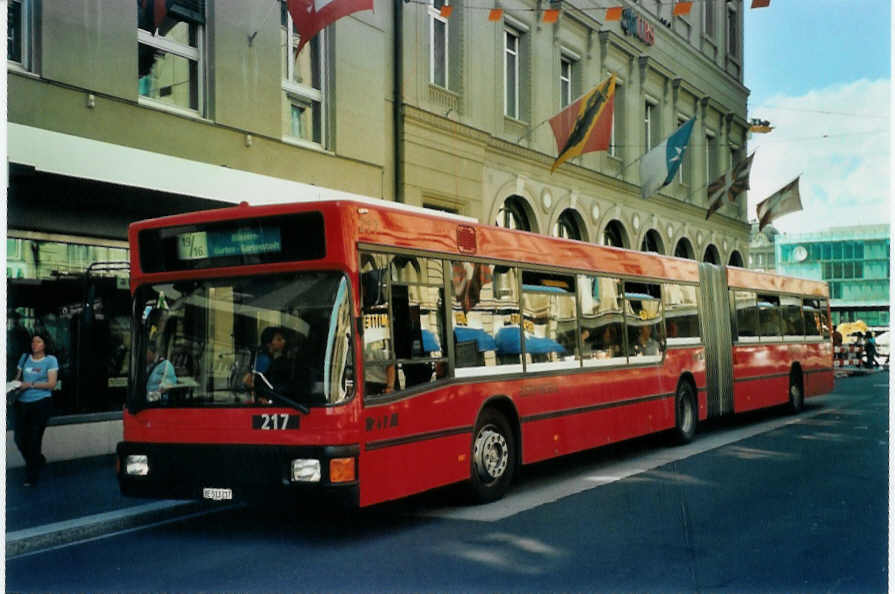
(530, 130)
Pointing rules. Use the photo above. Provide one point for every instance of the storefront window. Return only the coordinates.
(78, 294)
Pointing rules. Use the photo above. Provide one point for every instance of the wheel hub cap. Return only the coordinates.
(491, 454)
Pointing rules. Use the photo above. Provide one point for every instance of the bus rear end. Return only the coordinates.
(242, 383)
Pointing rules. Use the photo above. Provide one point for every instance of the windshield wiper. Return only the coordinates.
(269, 391)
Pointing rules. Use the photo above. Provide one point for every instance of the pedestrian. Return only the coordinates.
(38, 372)
(870, 349)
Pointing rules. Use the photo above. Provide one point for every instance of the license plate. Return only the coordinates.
(217, 494)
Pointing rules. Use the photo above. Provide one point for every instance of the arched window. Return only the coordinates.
(652, 242)
(568, 226)
(615, 235)
(684, 249)
(514, 215)
(711, 255)
(736, 259)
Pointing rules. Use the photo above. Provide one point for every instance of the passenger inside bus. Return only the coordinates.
(602, 342)
(160, 375)
(645, 342)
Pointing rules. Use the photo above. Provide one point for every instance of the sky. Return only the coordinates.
(820, 71)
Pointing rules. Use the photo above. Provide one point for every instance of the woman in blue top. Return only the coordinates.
(38, 372)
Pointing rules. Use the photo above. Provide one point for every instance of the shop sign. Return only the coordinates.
(637, 26)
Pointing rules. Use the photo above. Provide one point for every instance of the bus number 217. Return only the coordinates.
(274, 422)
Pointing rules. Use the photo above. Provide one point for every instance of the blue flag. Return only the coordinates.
(659, 166)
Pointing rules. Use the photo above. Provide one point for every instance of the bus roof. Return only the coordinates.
(755, 280)
(389, 224)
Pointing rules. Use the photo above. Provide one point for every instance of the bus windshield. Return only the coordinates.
(278, 340)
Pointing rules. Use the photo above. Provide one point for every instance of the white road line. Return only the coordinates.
(549, 489)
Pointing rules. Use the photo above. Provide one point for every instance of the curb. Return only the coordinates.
(44, 537)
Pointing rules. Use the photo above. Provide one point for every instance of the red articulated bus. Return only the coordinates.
(368, 350)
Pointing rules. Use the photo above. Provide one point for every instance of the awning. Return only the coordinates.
(75, 156)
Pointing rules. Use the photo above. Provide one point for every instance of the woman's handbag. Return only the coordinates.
(14, 388)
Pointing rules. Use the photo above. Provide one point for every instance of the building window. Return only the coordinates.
(565, 81)
(568, 225)
(170, 52)
(733, 35)
(652, 242)
(18, 32)
(511, 73)
(708, 15)
(650, 124)
(304, 83)
(617, 133)
(513, 215)
(438, 44)
(615, 235)
(683, 172)
(711, 158)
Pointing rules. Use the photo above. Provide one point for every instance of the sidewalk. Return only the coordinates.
(75, 500)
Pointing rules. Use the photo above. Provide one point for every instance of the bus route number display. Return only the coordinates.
(199, 245)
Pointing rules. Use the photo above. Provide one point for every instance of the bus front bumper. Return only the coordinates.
(224, 473)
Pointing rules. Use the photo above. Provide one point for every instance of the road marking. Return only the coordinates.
(550, 488)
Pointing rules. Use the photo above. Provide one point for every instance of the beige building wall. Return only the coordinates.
(458, 134)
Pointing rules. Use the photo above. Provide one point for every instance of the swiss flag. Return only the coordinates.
(310, 16)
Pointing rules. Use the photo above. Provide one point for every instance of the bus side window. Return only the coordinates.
(602, 321)
(486, 319)
(643, 319)
(681, 314)
(769, 321)
(418, 320)
(826, 326)
(791, 310)
(379, 358)
(746, 306)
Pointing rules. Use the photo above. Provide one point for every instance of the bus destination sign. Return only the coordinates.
(199, 245)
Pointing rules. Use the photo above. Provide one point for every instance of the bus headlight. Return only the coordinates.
(305, 471)
(136, 465)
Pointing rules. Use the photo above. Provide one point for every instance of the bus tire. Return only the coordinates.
(493, 457)
(796, 392)
(685, 413)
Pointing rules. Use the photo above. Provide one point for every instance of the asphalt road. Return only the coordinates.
(762, 503)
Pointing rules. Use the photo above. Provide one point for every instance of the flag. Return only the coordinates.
(446, 10)
(730, 184)
(659, 166)
(311, 16)
(585, 125)
(782, 202)
(495, 14)
(682, 8)
(614, 13)
(551, 15)
(761, 3)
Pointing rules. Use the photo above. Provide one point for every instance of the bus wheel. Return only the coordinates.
(685, 415)
(493, 457)
(796, 393)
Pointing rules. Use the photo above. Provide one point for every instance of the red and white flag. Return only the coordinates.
(311, 16)
(784, 201)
